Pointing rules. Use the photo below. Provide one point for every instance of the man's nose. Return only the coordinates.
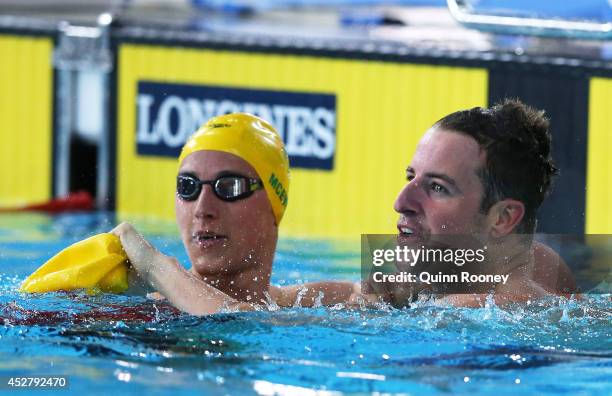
(207, 204)
(408, 201)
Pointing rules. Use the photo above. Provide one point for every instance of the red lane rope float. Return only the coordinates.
(79, 200)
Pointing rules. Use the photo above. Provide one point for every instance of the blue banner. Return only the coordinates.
(167, 114)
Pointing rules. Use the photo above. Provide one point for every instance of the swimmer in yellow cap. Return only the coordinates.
(232, 192)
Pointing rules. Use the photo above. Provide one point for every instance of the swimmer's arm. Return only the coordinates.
(480, 300)
(187, 292)
(156, 296)
(329, 293)
(518, 289)
(463, 300)
(172, 280)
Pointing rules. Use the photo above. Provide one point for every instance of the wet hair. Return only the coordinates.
(518, 163)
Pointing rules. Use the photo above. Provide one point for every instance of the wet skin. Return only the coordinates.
(230, 244)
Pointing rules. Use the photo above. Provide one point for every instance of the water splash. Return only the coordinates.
(300, 295)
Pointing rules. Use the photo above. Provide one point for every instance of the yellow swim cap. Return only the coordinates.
(98, 263)
(255, 141)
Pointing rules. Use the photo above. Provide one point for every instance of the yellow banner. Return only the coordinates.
(381, 108)
(599, 162)
(26, 81)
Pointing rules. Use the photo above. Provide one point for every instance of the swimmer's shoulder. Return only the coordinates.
(551, 271)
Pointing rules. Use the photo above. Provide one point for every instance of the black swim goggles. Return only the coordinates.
(227, 188)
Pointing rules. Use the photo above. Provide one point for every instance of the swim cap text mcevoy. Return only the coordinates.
(254, 140)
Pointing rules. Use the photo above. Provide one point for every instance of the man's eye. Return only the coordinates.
(409, 177)
(438, 188)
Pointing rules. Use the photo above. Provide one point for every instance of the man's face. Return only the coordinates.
(224, 238)
(443, 193)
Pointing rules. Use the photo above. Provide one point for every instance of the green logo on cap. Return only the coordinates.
(278, 189)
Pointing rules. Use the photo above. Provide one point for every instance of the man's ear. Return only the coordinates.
(505, 216)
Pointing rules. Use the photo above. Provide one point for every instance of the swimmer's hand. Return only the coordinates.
(142, 254)
(397, 294)
(167, 276)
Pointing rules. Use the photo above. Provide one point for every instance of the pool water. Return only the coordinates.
(114, 343)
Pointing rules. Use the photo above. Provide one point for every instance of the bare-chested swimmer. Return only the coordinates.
(232, 191)
(485, 172)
